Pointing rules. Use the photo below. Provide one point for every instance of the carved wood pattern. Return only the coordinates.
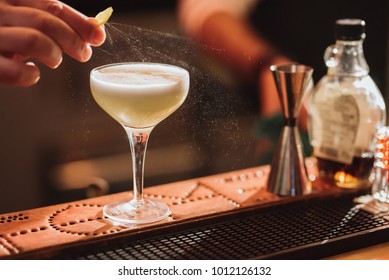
(64, 224)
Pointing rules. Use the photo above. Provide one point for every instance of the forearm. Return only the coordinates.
(236, 44)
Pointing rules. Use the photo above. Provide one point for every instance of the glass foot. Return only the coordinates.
(132, 212)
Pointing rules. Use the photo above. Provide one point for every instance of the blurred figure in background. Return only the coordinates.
(224, 26)
(250, 35)
(41, 30)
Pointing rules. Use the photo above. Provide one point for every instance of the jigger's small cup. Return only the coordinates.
(288, 175)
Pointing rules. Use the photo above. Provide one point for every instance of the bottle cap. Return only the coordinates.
(350, 29)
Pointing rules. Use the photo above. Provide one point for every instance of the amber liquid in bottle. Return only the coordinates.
(354, 175)
(346, 110)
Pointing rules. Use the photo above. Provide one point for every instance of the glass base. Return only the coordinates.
(132, 212)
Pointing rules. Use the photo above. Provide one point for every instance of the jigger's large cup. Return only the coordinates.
(288, 175)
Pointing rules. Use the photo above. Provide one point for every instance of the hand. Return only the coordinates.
(42, 30)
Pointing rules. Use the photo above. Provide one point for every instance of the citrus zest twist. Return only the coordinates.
(104, 16)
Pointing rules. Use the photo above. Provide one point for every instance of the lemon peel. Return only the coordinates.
(104, 16)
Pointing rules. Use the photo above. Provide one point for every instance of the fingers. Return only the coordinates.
(53, 27)
(41, 30)
(27, 42)
(17, 73)
(84, 26)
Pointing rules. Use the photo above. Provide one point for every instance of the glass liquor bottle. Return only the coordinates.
(346, 110)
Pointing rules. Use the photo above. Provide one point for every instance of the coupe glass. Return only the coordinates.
(138, 96)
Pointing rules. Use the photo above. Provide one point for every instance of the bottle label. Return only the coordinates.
(337, 127)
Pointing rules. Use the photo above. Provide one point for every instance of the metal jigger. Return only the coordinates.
(288, 175)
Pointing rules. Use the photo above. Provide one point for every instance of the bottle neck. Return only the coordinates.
(346, 58)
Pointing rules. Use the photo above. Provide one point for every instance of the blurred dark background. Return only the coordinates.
(57, 145)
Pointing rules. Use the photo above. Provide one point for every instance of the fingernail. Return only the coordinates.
(93, 21)
(37, 79)
(35, 72)
(55, 8)
(87, 52)
(98, 36)
(58, 63)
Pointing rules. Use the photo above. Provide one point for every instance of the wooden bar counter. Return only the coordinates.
(36, 231)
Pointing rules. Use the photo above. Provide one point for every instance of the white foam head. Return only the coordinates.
(139, 77)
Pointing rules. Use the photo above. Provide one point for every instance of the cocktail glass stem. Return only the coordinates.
(138, 210)
(138, 139)
(138, 96)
